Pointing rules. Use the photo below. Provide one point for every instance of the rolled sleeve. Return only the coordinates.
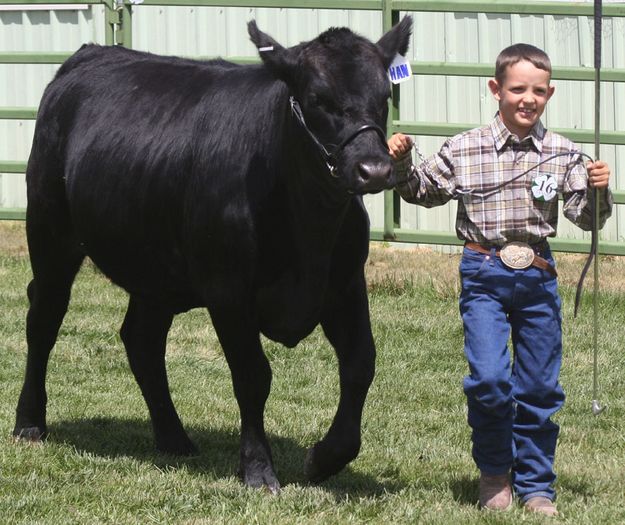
(430, 184)
(578, 197)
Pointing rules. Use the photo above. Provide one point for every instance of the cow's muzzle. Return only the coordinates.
(375, 176)
(331, 159)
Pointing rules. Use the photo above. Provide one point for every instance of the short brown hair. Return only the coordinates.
(518, 52)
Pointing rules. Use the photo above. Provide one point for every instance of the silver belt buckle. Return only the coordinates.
(517, 255)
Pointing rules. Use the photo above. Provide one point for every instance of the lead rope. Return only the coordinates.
(596, 407)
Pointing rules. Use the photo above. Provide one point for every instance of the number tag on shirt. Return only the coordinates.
(544, 187)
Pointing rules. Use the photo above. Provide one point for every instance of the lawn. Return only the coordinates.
(99, 464)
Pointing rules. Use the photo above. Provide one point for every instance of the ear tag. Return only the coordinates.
(264, 49)
(399, 70)
(544, 187)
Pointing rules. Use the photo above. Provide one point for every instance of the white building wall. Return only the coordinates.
(451, 37)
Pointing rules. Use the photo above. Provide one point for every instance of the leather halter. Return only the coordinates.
(331, 158)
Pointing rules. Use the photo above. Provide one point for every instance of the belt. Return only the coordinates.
(538, 261)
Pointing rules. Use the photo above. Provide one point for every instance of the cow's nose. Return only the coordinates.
(374, 171)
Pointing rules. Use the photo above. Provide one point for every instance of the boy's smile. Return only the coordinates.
(522, 96)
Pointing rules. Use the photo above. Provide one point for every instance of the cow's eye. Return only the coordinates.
(327, 104)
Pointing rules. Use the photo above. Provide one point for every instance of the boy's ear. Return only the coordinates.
(493, 85)
(550, 91)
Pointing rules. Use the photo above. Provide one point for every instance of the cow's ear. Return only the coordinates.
(396, 40)
(278, 59)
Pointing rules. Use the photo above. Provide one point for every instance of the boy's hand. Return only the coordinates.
(398, 145)
(598, 174)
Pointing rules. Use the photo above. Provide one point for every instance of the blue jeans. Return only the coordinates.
(511, 401)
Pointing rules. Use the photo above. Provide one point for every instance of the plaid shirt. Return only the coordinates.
(470, 168)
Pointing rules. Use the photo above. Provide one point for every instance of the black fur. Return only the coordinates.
(190, 184)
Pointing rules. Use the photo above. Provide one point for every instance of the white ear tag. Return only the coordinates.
(544, 187)
(265, 49)
(399, 70)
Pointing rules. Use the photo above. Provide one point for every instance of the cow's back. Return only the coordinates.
(151, 153)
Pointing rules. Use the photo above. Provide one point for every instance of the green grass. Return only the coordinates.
(99, 465)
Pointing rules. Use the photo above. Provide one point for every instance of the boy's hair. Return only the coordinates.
(518, 52)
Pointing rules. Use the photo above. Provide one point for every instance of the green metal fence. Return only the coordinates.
(118, 31)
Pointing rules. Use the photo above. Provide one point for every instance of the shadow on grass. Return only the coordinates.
(579, 487)
(218, 453)
(465, 490)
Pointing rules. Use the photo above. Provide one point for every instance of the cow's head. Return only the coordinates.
(339, 85)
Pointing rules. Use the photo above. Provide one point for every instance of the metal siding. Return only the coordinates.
(22, 85)
(217, 31)
(456, 37)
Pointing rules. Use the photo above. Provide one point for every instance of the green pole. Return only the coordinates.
(111, 19)
(126, 21)
(391, 218)
(596, 407)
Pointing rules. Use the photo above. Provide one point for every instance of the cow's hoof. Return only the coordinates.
(320, 464)
(260, 478)
(312, 468)
(29, 434)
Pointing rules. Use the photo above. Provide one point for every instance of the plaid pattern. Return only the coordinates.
(471, 166)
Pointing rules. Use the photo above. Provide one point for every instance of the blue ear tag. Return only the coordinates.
(399, 70)
(544, 187)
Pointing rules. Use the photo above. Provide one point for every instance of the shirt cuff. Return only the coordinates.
(403, 168)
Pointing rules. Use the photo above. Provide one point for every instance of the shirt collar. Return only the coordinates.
(502, 135)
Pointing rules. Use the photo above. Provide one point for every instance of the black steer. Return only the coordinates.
(236, 188)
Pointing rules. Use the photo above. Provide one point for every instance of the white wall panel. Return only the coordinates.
(455, 37)
(21, 85)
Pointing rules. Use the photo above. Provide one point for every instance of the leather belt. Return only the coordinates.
(538, 261)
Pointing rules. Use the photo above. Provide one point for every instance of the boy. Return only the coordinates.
(507, 271)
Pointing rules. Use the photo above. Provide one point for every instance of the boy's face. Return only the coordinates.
(522, 96)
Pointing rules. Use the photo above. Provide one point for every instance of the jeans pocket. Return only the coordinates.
(472, 264)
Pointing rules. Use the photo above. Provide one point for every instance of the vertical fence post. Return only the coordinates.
(111, 20)
(118, 20)
(123, 32)
(391, 219)
(125, 23)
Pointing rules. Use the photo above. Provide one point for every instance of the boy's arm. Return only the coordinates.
(578, 189)
(430, 184)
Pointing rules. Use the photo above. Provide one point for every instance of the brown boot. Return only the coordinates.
(495, 492)
(541, 505)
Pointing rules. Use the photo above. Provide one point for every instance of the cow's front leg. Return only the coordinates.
(348, 328)
(251, 379)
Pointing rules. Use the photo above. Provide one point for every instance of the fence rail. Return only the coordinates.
(118, 31)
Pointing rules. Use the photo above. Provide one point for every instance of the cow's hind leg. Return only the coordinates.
(251, 379)
(348, 328)
(55, 262)
(144, 333)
